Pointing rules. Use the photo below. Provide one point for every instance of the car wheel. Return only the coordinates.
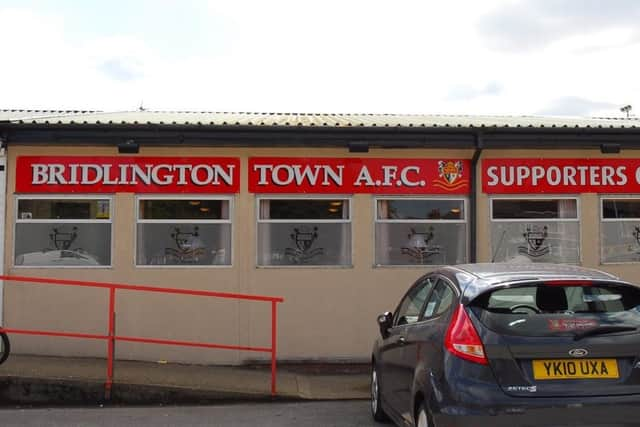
(422, 417)
(376, 407)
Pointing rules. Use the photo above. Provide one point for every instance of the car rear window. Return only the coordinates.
(542, 309)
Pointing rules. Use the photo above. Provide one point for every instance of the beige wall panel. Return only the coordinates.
(327, 313)
(49, 308)
(146, 315)
(331, 312)
(590, 230)
(176, 317)
(483, 219)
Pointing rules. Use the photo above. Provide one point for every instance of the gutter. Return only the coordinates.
(3, 206)
(473, 199)
(383, 137)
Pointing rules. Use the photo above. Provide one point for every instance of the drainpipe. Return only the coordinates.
(473, 199)
(3, 203)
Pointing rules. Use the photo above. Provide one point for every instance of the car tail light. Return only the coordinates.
(462, 338)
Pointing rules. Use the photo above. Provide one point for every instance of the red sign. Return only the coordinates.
(71, 174)
(565, 325)
(353, 175)
(504, 176)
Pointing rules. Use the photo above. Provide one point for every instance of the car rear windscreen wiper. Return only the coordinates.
(603, 330)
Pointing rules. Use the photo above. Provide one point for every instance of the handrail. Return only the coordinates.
(112, 338)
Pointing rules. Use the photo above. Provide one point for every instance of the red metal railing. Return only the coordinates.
(111, 337)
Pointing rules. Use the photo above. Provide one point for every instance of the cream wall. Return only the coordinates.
(328, 313)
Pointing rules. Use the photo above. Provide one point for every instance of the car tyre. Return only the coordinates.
(376, 407)
(5, 347)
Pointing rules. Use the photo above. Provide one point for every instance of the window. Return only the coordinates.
(184, 231)
(538, 230)
(410, 307)
(620, 230)
(440, 300)
(299, 232)
(63, 232)
(420, 231)
(540, 310)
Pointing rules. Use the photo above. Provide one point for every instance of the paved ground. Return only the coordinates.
(308, 414)
(43, 380)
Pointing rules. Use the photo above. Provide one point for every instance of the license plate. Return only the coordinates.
(572, 369)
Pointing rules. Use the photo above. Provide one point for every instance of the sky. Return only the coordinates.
(494, 57)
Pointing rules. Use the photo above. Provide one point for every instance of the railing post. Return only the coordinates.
(274, 323)
(110, 343)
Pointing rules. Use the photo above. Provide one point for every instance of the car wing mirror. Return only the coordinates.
(384, 323)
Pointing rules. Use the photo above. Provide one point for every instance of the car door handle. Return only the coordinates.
(402, 340)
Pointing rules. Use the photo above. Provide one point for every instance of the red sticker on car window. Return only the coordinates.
(563, 325)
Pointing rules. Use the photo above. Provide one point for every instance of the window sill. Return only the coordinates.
(305, 267)
(58, 267)
(186, 266)
(409, 266)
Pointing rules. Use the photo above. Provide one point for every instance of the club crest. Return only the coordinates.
(450, 175)
(303, 238)
(535, 237)
(190, 249)
(419, 247)
(62, 239)
(449, 170)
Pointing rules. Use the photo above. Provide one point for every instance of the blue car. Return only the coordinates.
(510, 344)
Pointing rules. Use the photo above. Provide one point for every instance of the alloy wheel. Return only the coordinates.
(423, 420)
(374, 391)
(376, 408)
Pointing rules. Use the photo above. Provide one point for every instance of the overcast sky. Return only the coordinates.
(552, 57)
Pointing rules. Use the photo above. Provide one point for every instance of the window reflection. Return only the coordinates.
(420, 232)
(182, 232)
(63, 232)
(304, 232)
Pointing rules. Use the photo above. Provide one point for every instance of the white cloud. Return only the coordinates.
(335, 56)
(526, 25)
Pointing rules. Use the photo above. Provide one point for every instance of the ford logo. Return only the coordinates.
(578, 352)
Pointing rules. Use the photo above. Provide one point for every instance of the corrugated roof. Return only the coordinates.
(189, 118)
(30, 115)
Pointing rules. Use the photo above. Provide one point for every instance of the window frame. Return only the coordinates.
(577, 219)
(603, 220)
(141, 197)
(465, 220)
(66, 196)
(348, 220)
